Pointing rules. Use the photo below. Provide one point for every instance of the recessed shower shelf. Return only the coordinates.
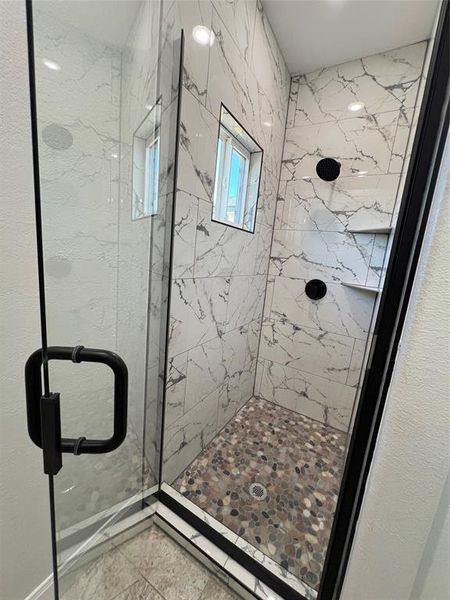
(385, 230)
(365, 288)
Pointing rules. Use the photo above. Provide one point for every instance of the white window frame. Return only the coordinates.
(226, 145)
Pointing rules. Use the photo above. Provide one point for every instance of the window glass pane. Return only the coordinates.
(145, 177)
(154, 197)
(235, 198)
(151, 177)
(237, 173)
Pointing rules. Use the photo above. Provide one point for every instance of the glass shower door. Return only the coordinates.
(104, 149)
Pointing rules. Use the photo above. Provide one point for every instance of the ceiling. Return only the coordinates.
(321, 33)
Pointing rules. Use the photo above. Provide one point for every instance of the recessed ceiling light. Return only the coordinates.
(114, 155)
(355, 106)
(267, 123)
(203, 35)
(51, 64)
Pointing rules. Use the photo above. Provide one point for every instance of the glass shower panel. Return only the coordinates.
(105, 118)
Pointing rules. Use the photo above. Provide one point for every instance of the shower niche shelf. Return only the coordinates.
(365, 288)
(385, 230)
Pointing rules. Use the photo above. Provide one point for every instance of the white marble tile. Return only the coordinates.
(342, 310)
(331, 256)
(267, 198)
(311, 350)
(269, 128)
(197, 150)
(224, 363)
(245, 300)
(263, 240)
(280, 206)
(382, 82)
(356, 363)
(292, 107)
(348, 203)
(88, 69)
(206, 371)
(359, 144)
(238, 16)
(187, 14)
(222, 250)
(377, 260)
(270, 286)
(316, 397)
(184, 233)
(175, 387)
(230, 80)
(241, 346)
(234, 394)
(404, 138)
(185, 438)
(258, 376)
(198, 311)
(268, 62)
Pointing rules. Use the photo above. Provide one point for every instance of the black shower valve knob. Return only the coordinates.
(315, 289)
(328, 169)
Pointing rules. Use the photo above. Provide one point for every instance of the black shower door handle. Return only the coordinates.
(43, 410)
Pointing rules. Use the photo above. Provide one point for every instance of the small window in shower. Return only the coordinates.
(238, 171)
(146, 150)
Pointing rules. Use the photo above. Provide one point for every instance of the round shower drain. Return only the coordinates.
(257, 491)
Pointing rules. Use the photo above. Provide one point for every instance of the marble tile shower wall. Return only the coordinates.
(96, 259)
(137, 327)
(311, 352)
(219, 273)
(78, 112)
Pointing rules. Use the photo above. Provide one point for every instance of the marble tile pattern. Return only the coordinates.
(298, 460)
(150, 566)
(219, 272)
(312, 351)
(95, 268)
(140, 296)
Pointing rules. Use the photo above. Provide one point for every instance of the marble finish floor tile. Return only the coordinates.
(101, 579)
(215, 590)
(150, 566)
(139, 590)
(299, 463)
(169, 568)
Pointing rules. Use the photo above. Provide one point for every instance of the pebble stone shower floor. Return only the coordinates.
(297, 460)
